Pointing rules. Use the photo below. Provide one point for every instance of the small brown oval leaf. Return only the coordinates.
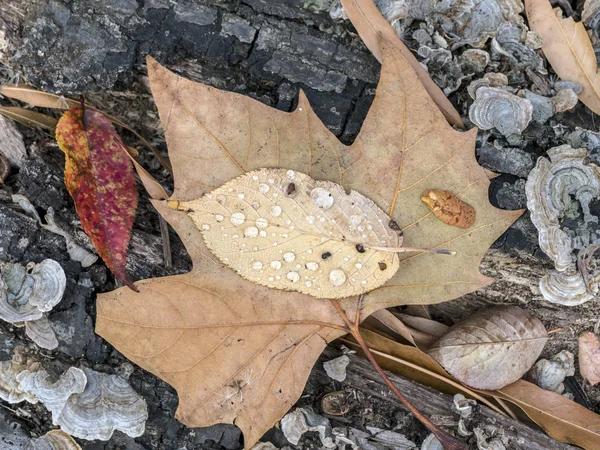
(282, 229)
(449, 208)
(589, 357)
(491, 348)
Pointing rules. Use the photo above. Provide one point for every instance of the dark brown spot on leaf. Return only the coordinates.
(325, 255)
(394, 225)
(382, 266)
(290, 189)
(360, 248)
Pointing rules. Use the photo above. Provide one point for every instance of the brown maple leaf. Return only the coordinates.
(240, 353)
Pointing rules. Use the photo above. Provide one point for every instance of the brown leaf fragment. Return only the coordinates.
(567, 48)
(491, 348)
(29, 118)
(449, 208)
(234, 351)
(424, 324)
(561, 418)
(589, 357)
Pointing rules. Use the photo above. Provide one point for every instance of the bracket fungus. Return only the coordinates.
(28, 293)
(53, 440)
(107, 403)
(84, 403)
(9, 370)
(53, 394)
(558, 189)
(496, 108)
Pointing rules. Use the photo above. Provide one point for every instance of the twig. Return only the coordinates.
(448, 441)
(166, 241)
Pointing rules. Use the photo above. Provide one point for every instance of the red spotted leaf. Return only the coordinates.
(100, 178)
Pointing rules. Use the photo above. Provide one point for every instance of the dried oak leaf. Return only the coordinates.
(491, 348)
(101, 180)
(589, 357)
(238, 352)
(567, 48)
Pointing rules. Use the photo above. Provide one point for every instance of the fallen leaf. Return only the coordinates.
(285, 230)
(371, 26)
(29, 118)
(561, 418)
(212, 334)
(412, 363)
(491, 348)
(41, 99)
(101, 181)
(589, 357)
(423, 324)
(567, 48)
(391, 323)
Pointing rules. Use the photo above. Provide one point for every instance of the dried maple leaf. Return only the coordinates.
(567, 48)
(101, 181)
(238, 352)
(589, 357)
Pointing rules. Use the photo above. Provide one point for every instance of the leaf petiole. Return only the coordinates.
(448, 441)
(439, 251)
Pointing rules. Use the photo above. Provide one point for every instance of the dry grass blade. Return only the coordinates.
(41, 99)
(370, 25)
(29, 118)
(568, 49)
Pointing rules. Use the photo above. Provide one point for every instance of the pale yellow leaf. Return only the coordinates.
(567, 48)
(285, 230)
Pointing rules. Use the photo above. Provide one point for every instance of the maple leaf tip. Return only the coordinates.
(133, 287)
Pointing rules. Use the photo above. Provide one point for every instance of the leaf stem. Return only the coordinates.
(448, 441)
